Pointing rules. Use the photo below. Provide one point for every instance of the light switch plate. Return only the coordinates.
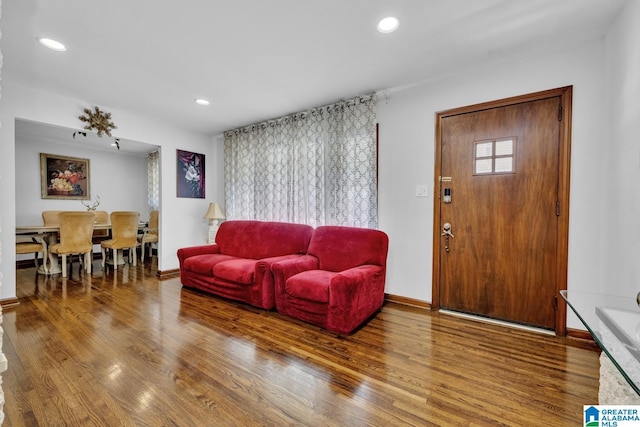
(422, 190)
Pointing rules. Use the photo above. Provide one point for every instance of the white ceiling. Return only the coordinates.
(260, 59)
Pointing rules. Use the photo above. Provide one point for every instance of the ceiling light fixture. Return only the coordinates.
(52, 44)
(201, 101)
(388, 24)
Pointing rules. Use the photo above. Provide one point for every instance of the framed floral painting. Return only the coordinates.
(64, 177)
(190, 175)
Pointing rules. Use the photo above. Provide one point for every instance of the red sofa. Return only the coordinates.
(339, 283)
(237, 266)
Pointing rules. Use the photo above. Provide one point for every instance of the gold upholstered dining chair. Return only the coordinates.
(150, 234)
(51, 217)
(124, 235)
(28, 245)
(102, 217)
(76, 230)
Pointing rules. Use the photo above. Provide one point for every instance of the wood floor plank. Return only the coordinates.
(126, 348)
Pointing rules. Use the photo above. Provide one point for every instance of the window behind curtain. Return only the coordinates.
(315, 167)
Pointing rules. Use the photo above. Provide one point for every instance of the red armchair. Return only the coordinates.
(339, 283)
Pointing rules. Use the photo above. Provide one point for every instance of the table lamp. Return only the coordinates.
(214, 215)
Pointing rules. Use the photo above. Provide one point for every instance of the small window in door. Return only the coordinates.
(494, 157)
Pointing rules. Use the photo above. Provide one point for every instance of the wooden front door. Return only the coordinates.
(502, 214)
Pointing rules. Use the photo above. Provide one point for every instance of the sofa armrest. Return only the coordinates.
(350, 286)
(268, 262)
(282, 270)
(184, 253)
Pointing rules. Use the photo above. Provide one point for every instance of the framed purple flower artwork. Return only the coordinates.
(190, 175)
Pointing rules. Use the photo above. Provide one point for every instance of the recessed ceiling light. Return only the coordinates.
(388, 24)
(201, 101)
(52, 44)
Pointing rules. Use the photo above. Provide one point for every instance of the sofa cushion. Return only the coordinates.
(237, 270)
(203, 264)
(312, 285)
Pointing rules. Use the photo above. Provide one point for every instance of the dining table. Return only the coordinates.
(48, 235)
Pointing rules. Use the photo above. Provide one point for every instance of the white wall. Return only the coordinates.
(621, 144)
(407, 145)
(604, 234)
(181, 222)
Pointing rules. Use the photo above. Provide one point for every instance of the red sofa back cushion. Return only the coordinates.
(340, 248)
(262, 239)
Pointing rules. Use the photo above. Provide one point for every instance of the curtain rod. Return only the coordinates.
(359, 99)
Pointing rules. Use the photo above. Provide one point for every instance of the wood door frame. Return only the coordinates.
(564, 165)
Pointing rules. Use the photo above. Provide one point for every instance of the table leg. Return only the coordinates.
(119, 257)
(54, 264)
(43, 269)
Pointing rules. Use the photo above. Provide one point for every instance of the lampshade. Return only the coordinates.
(214, 212)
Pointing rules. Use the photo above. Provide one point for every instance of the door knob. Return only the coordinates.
(446, 230)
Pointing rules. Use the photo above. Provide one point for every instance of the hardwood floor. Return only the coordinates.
(130, 349)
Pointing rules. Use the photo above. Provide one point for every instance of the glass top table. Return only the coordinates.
(614, 323)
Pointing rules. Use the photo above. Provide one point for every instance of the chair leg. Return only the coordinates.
(142, 245)
(135, 256)
(87, 262)
(64, 265)
(115, 259)
(104, 255)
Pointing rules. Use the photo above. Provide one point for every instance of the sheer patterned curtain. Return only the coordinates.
(153, 180)
(315, 167)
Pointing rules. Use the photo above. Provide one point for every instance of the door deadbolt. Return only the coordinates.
(447, 195)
